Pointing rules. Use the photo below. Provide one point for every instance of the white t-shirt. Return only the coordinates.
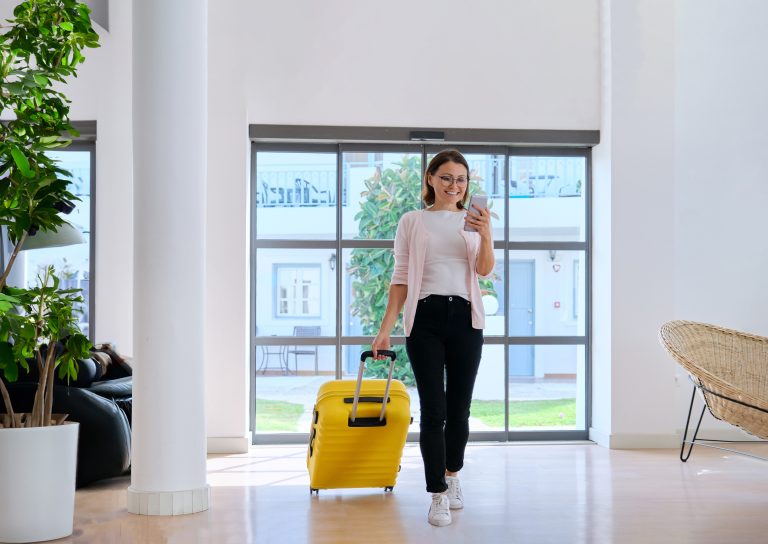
(446, 264)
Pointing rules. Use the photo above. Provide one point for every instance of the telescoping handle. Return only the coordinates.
(363, 357)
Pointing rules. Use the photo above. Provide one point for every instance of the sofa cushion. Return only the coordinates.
(112, 389)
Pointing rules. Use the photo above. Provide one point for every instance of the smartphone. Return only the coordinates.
(482, 202)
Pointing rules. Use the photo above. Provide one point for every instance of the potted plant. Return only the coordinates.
(40, 47)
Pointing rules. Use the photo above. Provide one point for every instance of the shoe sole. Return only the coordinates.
(439, 523)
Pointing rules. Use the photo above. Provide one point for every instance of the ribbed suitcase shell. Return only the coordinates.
(340, 456)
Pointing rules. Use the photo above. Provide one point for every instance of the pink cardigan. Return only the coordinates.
(410, 253)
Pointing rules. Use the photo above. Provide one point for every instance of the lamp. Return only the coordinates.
(64, 235)
(332, 261)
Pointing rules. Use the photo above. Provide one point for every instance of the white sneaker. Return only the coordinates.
(439, 512)
(455, 496)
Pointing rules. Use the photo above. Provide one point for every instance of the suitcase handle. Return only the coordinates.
(386, 352)
(363, 357)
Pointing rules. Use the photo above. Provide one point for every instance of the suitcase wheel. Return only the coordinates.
(315, 491)
(388, 489)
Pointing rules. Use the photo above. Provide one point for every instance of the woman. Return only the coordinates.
(437, 264)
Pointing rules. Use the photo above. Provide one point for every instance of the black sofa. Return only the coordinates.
(100, 400)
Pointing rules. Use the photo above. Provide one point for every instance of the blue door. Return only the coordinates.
(521, 316)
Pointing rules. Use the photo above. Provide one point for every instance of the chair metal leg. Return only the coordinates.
(684, 456)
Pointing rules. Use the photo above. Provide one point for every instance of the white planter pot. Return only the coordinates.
(37, 482)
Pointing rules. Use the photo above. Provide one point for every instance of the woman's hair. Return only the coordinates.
(447, 155)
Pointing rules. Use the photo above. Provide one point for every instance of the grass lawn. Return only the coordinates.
(526, 413)
(277, 415)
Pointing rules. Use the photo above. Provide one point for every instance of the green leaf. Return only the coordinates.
(6, 355)
(7, 302)
(22, 163)
(67, 26)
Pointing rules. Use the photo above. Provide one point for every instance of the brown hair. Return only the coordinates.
(447, 155)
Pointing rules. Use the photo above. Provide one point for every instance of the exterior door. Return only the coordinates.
(521, 316)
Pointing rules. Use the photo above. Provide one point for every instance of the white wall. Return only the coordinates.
(640, 81)
(721, 130)
(721, 191)
(516, 64)
(683, 126)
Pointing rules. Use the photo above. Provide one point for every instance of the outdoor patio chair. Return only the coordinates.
(304, 331)
(313, 195)
(730, 370)
(267, 353)
(272, 195)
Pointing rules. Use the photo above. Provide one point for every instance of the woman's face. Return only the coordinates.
(450, 184)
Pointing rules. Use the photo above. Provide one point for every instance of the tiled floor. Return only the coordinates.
(575, 493)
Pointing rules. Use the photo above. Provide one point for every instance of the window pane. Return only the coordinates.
(294, 287)
(72, 263)
(486, 173)
(546, 293)
(546, 388)
(487, 411)
(295, 195)
(365, 289)
(287, 382)
(547, 198)
(378, 189)
(492, 289)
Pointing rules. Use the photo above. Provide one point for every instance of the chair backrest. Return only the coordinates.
(713, 353)
(730, 366)
(312, 330)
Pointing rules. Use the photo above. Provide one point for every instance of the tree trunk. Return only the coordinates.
(50, 359)
(7, 401)
(11, 260)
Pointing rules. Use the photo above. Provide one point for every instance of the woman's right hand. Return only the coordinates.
(380, 342)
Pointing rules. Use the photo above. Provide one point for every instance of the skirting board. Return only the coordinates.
(228, 444)
(631, 441)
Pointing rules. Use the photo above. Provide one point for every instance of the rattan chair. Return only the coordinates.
(730, 369)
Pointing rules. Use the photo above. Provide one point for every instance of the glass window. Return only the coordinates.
(294, 287)
(378, 188)
(295, 195)
(546, 387)
(72, 262)
(546, 293)
(306, 275)
(547, 198)
(487, 410)
(297, 291)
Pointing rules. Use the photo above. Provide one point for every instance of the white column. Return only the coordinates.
(633, 378)
(168, 474)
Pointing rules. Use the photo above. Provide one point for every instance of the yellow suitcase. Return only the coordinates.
(357, 437)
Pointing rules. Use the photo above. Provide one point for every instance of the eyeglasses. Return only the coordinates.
(448, 180)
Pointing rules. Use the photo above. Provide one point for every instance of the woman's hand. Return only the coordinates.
(380, 342)
(480, 220)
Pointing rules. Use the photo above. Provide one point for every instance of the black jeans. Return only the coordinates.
(445, 353)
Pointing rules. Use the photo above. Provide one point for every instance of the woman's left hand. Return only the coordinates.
(480, 220)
